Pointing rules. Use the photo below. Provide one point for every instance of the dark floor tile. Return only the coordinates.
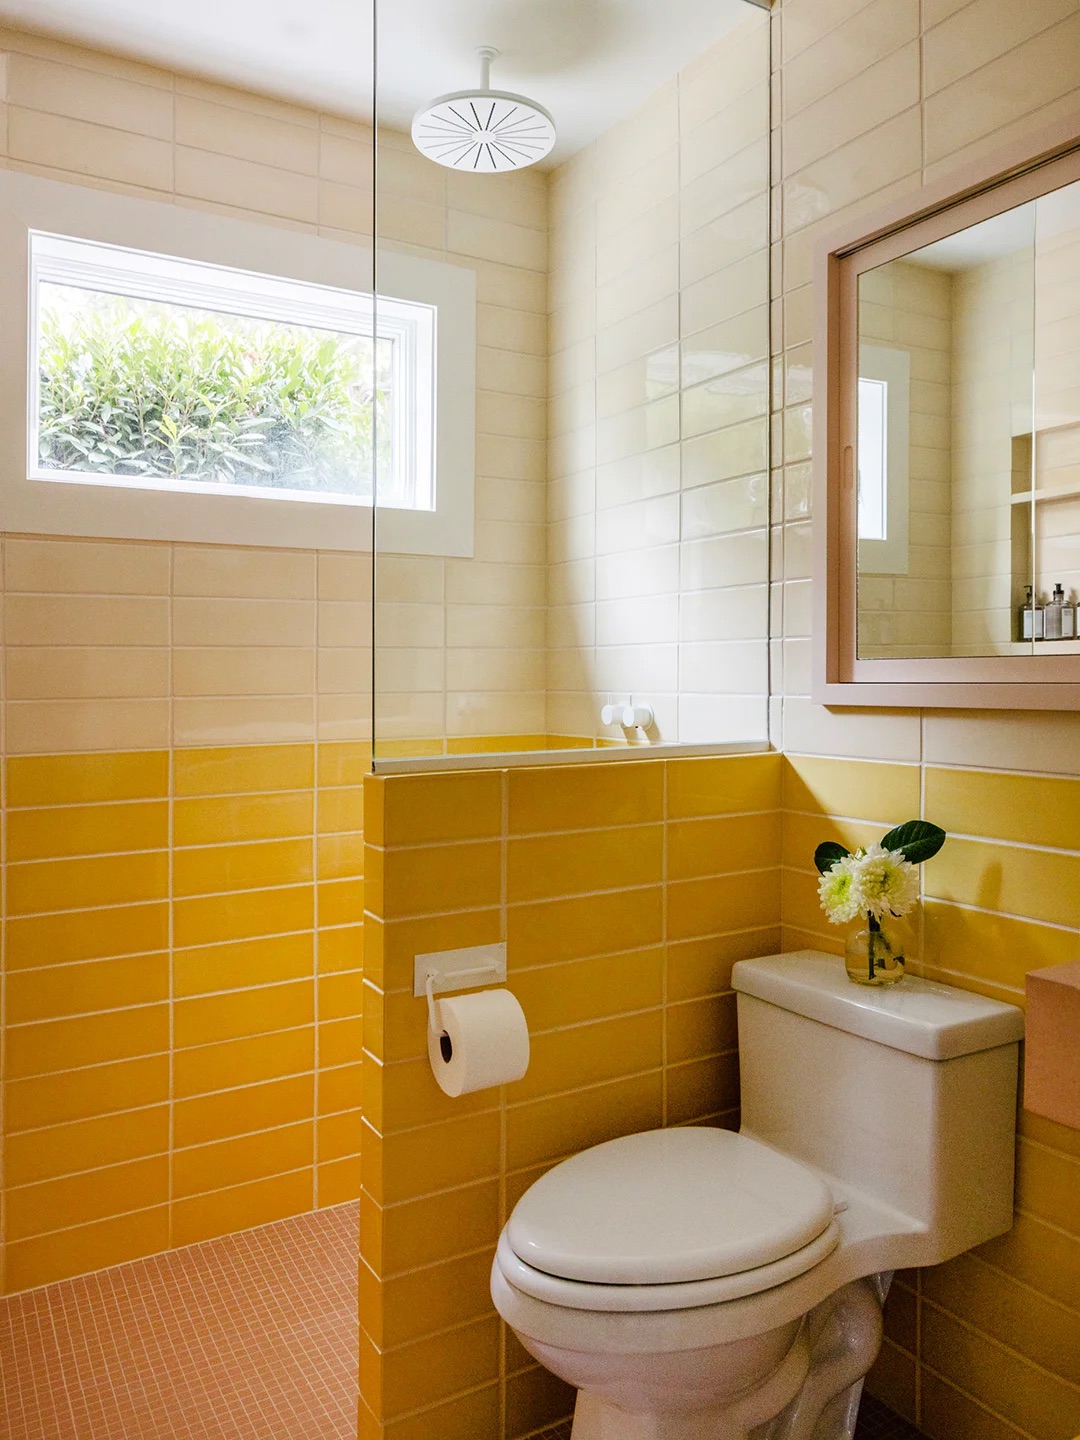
(878, 1423)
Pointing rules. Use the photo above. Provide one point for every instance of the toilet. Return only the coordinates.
(697, 1284)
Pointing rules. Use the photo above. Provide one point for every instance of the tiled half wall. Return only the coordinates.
(625, 892)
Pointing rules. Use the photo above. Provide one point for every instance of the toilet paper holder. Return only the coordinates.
(447, 969)
(448, 977)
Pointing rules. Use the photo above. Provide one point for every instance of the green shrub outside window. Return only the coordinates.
(141, 389)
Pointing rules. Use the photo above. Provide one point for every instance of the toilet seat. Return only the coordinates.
(667, 1219)
(642, 1299)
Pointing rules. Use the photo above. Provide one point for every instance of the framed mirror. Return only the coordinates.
(947, 442)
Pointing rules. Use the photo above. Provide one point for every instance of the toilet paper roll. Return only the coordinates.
(485, 1041)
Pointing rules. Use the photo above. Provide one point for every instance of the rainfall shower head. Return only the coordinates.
(483, 130)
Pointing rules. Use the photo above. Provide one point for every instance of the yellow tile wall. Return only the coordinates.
(185, 730)
(625, 892)
(990, 1342)
(871, 98)
(120, 662)
(182, 979)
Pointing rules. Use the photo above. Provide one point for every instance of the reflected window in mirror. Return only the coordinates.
(884, 459)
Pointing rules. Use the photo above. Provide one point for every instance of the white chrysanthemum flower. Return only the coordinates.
(838, 891)
(884, 882)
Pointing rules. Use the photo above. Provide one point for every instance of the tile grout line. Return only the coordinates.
(171, 889)
(666, 948)
(316, 1095)
(504, 1339)
(3, 917)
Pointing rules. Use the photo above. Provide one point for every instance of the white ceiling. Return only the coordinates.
(992, 239)
(587, 61)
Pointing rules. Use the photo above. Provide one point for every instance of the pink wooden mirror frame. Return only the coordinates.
(1023, 172)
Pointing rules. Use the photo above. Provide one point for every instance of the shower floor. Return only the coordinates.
(250, 1335)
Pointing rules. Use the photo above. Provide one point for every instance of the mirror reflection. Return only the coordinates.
(969, 440)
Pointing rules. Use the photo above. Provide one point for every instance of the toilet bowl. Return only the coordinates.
(697, 1284)
(670, 1276)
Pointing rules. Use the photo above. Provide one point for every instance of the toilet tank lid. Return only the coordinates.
(937, 1022)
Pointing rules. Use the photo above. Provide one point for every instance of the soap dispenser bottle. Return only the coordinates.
(1052, 617)
(1068, 616)
(1032, 618)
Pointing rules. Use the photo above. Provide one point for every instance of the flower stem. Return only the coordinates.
(871, 944)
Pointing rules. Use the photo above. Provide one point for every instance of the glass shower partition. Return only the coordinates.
(572, 457)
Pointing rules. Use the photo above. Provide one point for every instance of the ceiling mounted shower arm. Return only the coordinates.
(485, 131)
(487, 55)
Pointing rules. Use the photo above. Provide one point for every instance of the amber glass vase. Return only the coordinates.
(873, 954)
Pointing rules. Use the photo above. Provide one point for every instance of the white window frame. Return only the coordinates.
(69, 503)
(137, 274)
(891, 367)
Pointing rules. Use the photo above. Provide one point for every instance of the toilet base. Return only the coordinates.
(597, 1419)
(813, 1394)
(844, 1336)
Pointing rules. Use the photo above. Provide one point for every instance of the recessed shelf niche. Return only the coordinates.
(1045, 527)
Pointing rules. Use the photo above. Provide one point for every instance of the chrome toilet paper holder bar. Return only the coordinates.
(449, 969)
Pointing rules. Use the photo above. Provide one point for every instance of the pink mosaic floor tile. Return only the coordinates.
(252, 1335)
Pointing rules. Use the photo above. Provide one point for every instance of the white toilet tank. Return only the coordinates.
(906, 1093)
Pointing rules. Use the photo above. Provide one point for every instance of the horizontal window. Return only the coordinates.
(173, 396)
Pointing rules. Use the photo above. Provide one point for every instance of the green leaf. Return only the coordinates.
(917, 839)
(827, 854)
(188, 396)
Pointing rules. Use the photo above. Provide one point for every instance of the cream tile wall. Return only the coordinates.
(196, 646)
(460, 643)
(657, 495)
(1057, 402)
(993, 358)
(874, 96)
